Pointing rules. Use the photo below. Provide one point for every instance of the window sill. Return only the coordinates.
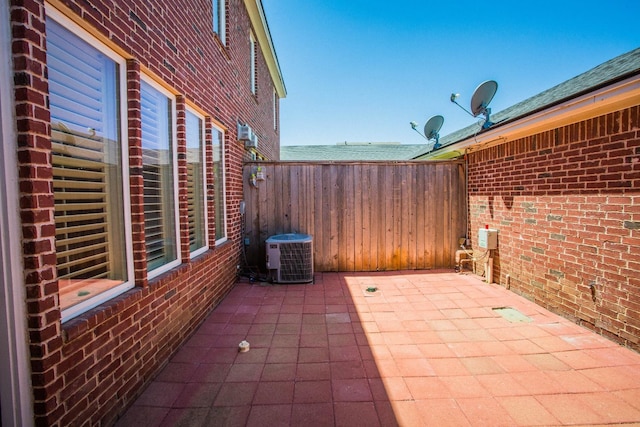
(77, 326)
(222, 46)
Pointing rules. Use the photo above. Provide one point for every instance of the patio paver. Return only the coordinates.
(425, 349)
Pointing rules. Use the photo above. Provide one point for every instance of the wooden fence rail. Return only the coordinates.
(363, 216)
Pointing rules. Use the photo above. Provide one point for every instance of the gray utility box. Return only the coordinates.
(488, 238)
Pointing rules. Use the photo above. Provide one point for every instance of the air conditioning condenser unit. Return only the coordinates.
(290, 258)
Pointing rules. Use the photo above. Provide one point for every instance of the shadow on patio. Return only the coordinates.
(427, 348)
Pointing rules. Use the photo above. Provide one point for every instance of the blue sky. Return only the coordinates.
(360, 71)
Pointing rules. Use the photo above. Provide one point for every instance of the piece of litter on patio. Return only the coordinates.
(243, 347)
(512, 315)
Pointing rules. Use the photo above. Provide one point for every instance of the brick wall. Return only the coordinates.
(567, 206)
(90, 368)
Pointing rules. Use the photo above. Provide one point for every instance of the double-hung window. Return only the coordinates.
(220, 19)
(196, 183)
(219, 185)
(160, 178)
(88, 128)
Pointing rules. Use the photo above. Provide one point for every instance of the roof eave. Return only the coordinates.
(616, 96)
(262, 33)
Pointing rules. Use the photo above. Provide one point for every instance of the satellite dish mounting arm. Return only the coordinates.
(487, 114)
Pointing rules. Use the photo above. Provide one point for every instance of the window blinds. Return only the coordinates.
(219, 185)
(158, 173)
(85, 157)
(195, 182)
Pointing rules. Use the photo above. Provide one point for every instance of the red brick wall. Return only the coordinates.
(93, 366)
(567, 206)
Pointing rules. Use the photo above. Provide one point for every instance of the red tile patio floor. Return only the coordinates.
(426, 349)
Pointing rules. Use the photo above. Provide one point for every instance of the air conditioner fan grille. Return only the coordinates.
(296, 263)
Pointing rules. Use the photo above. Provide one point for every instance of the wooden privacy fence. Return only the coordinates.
(363, 216)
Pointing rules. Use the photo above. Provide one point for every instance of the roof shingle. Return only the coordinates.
(616, 69)
(346, 152)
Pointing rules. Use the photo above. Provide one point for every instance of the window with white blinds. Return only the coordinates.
(196, 184)
(160, 178)
(219, 185)
(93, 256)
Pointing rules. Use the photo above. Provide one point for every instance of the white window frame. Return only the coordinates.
(174, 135)
(204, 181)
(102, 297)
(224, 236)
(219, 8)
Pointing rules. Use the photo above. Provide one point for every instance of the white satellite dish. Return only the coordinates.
(431, 129)
(480, 100)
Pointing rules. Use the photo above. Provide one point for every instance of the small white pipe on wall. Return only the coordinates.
(488, 267)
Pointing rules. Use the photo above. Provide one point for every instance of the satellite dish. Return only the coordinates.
(481, 99)
(432, 127)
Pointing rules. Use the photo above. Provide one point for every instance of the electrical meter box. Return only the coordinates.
(488, 238)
